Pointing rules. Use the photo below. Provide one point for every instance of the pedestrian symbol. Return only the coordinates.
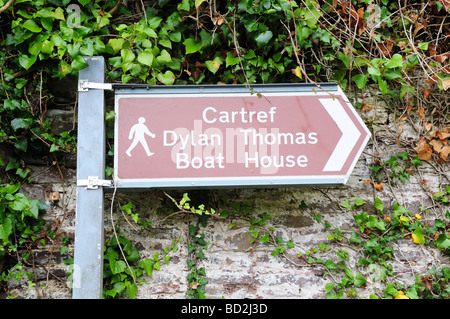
(137, 134)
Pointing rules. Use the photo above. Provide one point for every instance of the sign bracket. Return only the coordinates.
(85, 85)
(93, 182)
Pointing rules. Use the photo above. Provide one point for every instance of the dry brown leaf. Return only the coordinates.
(426, 93)
(442, 135)
(379, 186)
(446, 84)
(444, 152)
(402, 44)
(409, 107)
(219, 20)
(430, 81)
(366, 108)
(421, 112)
(436, 145)
(418, 28)
(54, 196)
(446, 4)
(441, 58)
(423, 150)
(431, 49)
(427, 281)
(428, 126)
(195, 285)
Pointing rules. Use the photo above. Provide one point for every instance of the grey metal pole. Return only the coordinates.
(89, 242)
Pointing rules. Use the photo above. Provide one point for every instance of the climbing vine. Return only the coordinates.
(398, 47)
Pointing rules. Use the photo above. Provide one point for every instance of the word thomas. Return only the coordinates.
(215, 147)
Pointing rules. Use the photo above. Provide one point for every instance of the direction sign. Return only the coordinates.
(229, 136)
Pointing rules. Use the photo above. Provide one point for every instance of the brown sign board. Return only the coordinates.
(235, 138)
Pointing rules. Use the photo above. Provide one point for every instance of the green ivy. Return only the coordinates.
(21, 229)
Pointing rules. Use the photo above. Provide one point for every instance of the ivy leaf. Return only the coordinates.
(167, 78)
(298, 72)
(418, 236)
(58, 14)
(116, 44)
(133, 255)
(19, 123)
(27, 61)
(175, 36)
(263, 38)
(354, 238)
(312, 14)
(184, 5)
(88, 49)
(5, 228)
(79, 63)
(373, 71)
(359, 201)
(127, 56)
(117, 266)
(265, 238)
(36, 45)
(360, 280)
(147, 265)
(360, 80)
(392, 74)
(164, 57)
(11, 188)
(213, 65)
(382, 84)
(32, 26)
(329, 286)
(192, 46)
(347, 204)
(443, 241)
(127, 208)
(231, 59)
(146, 58)
(395, 61)
(47, 47)
(198, 3)
(378, 204)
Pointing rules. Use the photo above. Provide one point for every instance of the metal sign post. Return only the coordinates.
(89, 242)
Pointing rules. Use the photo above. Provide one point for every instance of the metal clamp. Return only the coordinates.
(93, 182)
(85, 85)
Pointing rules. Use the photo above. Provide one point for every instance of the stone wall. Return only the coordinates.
(235, 266)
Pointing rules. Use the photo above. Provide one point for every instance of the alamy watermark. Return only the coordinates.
(73, 19)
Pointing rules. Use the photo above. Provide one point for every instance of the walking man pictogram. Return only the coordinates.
(139, 131)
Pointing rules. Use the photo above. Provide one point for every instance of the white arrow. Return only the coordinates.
(350, 134)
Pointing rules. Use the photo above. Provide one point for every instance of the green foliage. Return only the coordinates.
(375, 236)
(17, 217)
(20, 229)
(396, 168)
(124, 268)
(196, 277)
